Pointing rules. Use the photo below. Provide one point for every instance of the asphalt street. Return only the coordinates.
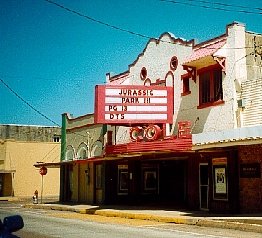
(48, 223)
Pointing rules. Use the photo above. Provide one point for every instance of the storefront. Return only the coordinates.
(218, 181)
(199, 181)
(143, 182)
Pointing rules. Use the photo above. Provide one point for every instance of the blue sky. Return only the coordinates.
(53, 58)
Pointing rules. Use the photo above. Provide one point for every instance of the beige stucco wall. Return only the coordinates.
(2, 154)
(21, 156)
(29, 132)
(79, 121)
(83, 134)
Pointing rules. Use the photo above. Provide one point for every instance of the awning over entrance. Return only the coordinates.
(75, 161)
(52, 165)
(232, 137)
(3, 171)
(203, 55)
(170, 145)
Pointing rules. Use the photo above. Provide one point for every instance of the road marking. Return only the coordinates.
(4, 208)
(33, 212)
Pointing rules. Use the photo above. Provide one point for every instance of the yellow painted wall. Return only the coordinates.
(2, 154)
(21, 156)
(82, 190)
(90, 190)
(74, 188)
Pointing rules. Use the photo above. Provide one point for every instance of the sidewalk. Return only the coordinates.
(248, 222)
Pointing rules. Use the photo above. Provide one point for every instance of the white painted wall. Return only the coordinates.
(156, 59)
(221, 117)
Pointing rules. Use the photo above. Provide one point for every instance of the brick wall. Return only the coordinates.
(251, 188)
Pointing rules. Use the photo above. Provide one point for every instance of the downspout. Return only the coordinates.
(63, 137)
(62, 158)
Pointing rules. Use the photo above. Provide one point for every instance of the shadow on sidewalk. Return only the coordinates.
(156, 208)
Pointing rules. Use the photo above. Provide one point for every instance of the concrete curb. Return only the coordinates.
(143, 216)
(205, 222)
(230, 225)
(9, 199)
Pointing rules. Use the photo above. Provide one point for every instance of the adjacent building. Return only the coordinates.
(22, 146)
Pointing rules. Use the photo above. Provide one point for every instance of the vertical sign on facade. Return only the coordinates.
(128, 104)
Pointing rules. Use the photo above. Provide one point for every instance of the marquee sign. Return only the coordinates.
(130, 104)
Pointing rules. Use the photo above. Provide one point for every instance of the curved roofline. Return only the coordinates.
(173, 40)
(157, 41)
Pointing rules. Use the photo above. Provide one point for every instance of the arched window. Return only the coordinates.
(97, 149)
(70, 152)
(173, 63)
(82, 151)
(143, 73)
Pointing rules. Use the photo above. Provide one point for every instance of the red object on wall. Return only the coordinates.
(153, 132)
(172, 145)
(43, 170)
(184, 129)
(136, 133)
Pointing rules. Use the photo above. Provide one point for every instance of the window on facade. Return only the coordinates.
(186, 85)
(150, 180)
(123, 178)
(70, 153)
(82, 151)
(186, 89)
(173, 63)
(210, 86)
(143, 73)
(56, 138)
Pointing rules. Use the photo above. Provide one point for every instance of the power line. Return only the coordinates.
(32, 107)
(97, 21)
(226, 4)
(118, 28)
(28, 104)
(189, 3)
(49, 153)
(20, 78)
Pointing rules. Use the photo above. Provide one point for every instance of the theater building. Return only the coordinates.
(182, 127)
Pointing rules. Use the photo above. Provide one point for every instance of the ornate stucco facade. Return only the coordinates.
(216, 96)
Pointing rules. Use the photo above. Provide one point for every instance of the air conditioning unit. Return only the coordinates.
(241, 103)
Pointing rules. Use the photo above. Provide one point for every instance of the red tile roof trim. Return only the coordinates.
(205, 51)
(118, 81)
